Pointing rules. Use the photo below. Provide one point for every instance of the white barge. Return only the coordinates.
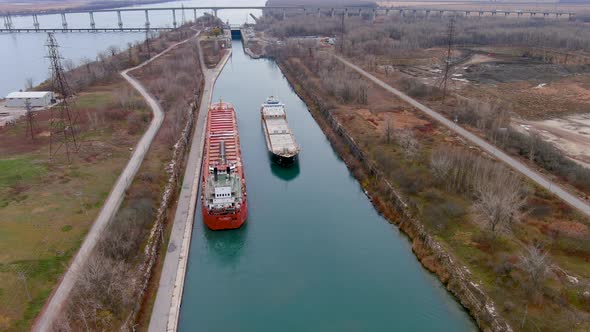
(280, 141)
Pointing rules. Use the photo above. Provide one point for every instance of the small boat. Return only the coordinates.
(280, 142)
(223, 186)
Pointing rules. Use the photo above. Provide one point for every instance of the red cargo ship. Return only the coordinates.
(223, 195)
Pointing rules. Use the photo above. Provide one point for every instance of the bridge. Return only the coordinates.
(371, 12)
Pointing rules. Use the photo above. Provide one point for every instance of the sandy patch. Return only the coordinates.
(570, 134)
(395, 119)
(478, 58)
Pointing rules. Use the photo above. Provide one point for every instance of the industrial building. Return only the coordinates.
(36, 98)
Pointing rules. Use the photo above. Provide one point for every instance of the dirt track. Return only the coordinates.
(551, 186)
(55, 303)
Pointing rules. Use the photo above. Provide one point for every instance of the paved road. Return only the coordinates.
(55, 304)
(166, 310)
(489, 148)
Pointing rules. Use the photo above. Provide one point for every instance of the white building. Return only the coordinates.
(36, 98)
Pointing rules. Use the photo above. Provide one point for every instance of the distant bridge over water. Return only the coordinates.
(371, 12)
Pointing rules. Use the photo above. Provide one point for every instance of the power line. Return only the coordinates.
(450, 37)
(31, 124)
(147, 42)
(342, 33)
(64, 122)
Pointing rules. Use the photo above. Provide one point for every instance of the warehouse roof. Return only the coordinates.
(27, 94)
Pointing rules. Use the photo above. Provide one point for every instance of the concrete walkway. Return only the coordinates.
(166, 310)
(483, 144)
(56, 302)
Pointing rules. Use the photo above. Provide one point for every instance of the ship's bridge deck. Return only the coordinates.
(273, 111)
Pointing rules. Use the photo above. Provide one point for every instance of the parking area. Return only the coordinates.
(9, 115)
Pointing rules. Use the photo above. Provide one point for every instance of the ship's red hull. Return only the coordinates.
(219, 222)
(222, 131)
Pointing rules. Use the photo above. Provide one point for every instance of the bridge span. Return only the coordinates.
(370, 12)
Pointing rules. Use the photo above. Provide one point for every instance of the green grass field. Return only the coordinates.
(46, 208)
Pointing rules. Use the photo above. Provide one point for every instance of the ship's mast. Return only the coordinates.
(222, 152)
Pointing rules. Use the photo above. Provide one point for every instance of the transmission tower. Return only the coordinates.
(64, 121)
(30, 120)
(342, 34)
(147, 43)
(450, 37)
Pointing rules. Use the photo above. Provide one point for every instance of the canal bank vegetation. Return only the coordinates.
(214, 42)
(48, 207)
(512, 253)
(116, 287)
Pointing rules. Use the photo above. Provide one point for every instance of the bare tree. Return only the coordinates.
(363, 95)
(534, 142)
(441, 163)
(22, 276)
(28, 83)
(535, 263)
(388, 131)
(499, 200)
(408, 142)
(113, 50)
(130, 53)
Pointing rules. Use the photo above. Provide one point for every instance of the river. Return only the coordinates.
(23, 55)
(314, 254)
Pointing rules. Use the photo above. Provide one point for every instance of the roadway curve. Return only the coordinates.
(55, 304)
(483, 144)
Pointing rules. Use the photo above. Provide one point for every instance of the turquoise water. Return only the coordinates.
(314, 254)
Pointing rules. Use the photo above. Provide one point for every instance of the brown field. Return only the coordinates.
(547, 92)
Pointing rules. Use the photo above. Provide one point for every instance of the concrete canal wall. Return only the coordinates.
(166, 310)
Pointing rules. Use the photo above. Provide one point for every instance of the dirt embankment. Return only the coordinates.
(430, 253)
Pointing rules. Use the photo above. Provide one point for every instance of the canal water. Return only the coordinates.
(314, 254)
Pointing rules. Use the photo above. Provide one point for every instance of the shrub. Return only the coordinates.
(115, 114)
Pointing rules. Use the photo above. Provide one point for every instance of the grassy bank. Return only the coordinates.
(47, 207)
(124, 256)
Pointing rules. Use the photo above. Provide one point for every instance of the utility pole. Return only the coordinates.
(30, 120)
(450, 37)
(64, 122)
(342, 33)
(147, 43)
